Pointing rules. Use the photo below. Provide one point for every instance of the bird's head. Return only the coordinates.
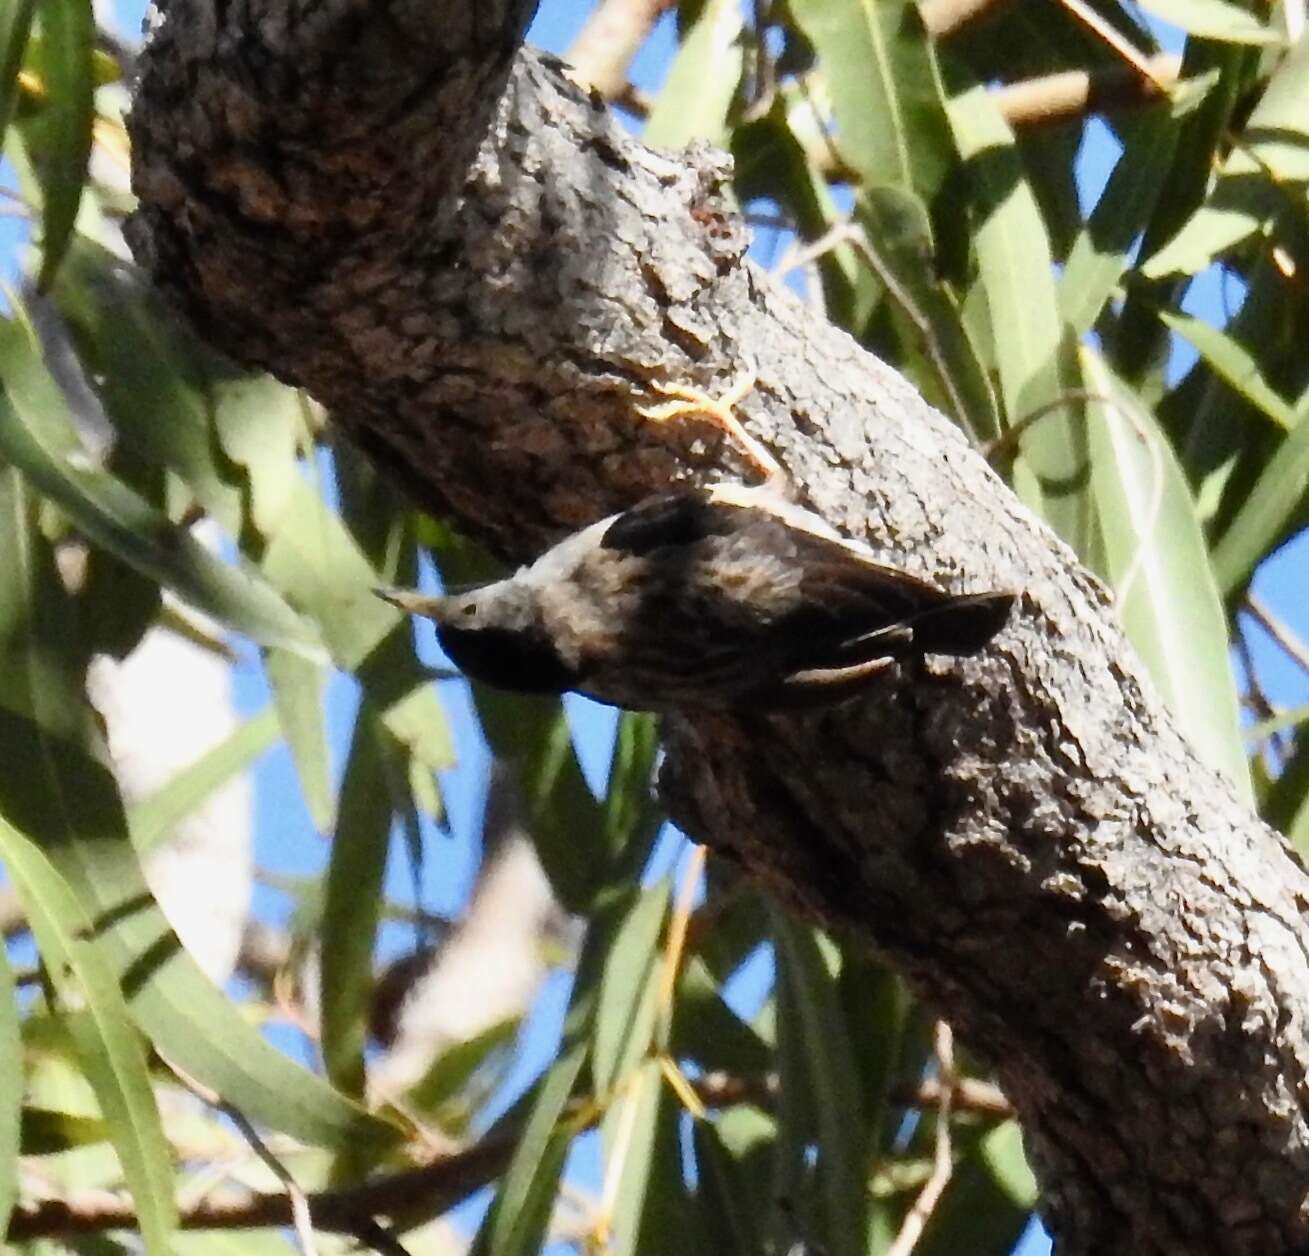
(492, 635)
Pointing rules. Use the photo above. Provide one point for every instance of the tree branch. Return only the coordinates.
(1025, 834)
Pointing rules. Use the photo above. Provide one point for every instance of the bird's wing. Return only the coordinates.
(670, 519)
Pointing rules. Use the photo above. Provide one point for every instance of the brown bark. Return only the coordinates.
(1025, 834)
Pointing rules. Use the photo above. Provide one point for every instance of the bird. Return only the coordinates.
(720, 598)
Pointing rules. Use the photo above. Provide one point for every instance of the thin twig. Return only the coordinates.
(1292, 646)
(943, 1159)
(301, 1218)
(1111, 37)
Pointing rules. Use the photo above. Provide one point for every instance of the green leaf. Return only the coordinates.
(319, 566)
(1269, 509)
(832, 1082)
(1034, 350)
(899, 239)
(702, 81)
(46, 1132)
(37, 436)
(452, 1070)
(727, 1216)
(1101, 253)
(56, 786)
(517, 1221)
(886, 90)
(154, 818)
(628, 1134)
(1214, 19)
(1159, 565)
(153, 376)
(989, 1200)
(1233, 363)
(708, 1032)
(297, 686)
(625, 1018)
(531, 737)
(107, 1041)
(1287, 805)
(1259, 180)
(15, 26)
(352, 907)
(11, 1089)
(59, 136)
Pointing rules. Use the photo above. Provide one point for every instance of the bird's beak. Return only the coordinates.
(409, 600)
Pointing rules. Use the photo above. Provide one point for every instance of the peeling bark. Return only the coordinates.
(469, 263)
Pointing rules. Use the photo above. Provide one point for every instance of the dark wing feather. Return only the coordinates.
(670, 519)
(858, 608)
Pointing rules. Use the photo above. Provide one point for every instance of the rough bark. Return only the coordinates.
(472, 266)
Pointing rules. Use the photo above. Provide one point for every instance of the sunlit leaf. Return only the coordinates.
(1233, 363)
(56, 786)
(886, 90)
(1102, 250)
(1259, 180)
(154, 817)
(1159, 567)
(696, 95)
(1213, 19)
(297, 686)
(1034, 350)
(352, 907)
(108, 1042)
(59, 136)
(626, 1015)
(1275, 500)
(628, 1135)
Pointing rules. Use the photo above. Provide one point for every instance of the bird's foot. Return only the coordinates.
(685, 401)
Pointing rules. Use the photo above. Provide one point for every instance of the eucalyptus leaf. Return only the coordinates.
(37, 436)
(1159, 566)
(59, 136)
(108, 1043)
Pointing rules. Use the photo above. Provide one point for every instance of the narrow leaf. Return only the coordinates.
(626, 1014)
(15, 26)
(59, 137)
(701, 82)
(833, 1079)
(881, 71)
(516, 1225)
(629, 1135)
(107, 1041)
(1033, 348)
(56, 786)
(1269, 509)
(155, 817)
(352, 907)
(1233, 363)
(1213, 19)
(1159, 567)
(297, 686)
(1101, 252)
(37, 436)
(1259, 180)
(11, 1089)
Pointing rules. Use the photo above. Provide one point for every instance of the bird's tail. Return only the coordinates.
(962, 625)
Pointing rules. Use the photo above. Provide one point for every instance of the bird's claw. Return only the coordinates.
(685, 401)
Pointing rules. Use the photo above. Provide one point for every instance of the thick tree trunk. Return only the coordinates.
(470, 264)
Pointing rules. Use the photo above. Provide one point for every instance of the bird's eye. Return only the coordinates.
(470, 611)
